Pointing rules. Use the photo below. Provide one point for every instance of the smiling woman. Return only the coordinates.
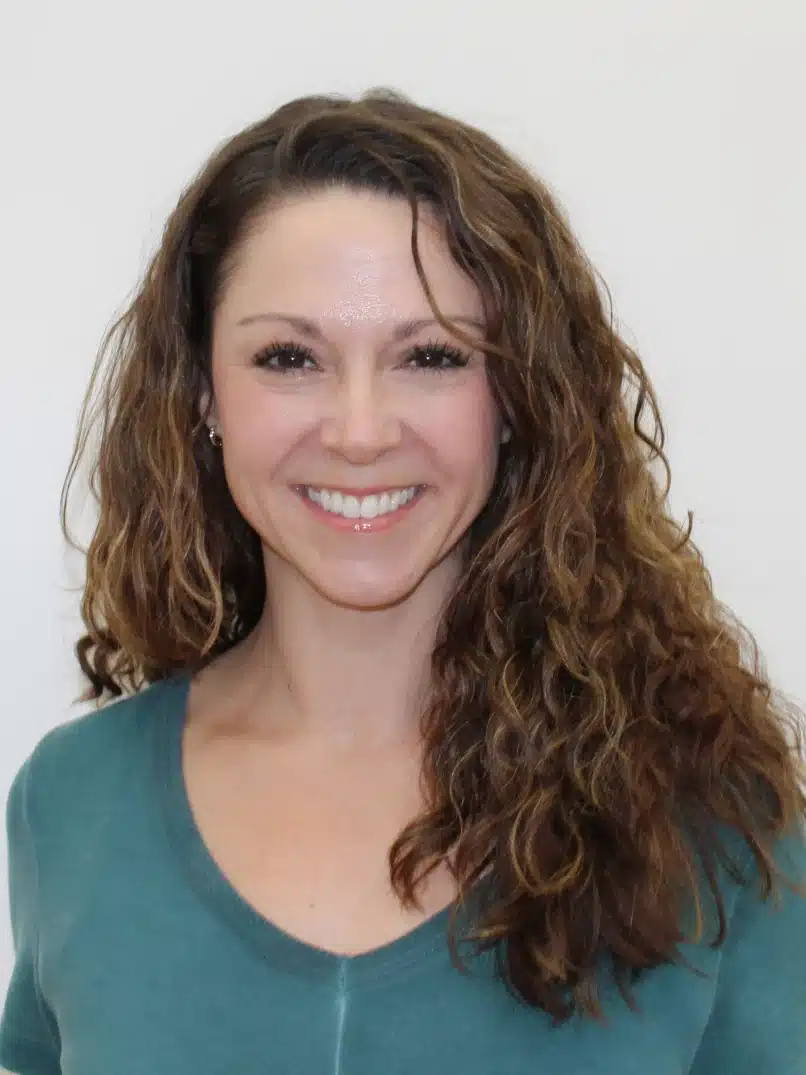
(414, 655)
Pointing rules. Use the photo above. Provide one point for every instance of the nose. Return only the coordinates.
(361, 422)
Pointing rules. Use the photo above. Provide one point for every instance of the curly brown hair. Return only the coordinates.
(594, 724)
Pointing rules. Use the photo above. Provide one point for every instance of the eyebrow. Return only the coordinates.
(402, 331)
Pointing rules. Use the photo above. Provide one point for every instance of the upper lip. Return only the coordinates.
(368, 490)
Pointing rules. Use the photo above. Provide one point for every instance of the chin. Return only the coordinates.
(366, 595)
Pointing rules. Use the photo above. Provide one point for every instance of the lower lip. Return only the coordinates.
(362, 526)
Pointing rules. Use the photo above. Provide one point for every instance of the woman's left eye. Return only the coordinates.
(437, 358)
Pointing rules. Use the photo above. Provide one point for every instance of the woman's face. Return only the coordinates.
(360, 439)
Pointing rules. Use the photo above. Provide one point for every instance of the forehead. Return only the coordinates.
(346, 254)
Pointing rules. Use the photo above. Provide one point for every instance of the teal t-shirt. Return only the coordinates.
(136, 956)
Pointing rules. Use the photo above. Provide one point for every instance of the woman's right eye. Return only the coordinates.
(284, 357)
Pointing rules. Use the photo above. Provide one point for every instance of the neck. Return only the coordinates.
(316, 673)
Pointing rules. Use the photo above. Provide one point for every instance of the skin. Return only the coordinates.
(339, 661)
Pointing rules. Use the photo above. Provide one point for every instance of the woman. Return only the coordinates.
(437, 753)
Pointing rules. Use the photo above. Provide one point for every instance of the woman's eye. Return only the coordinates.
(292, 357)
(284, 357)
(438, 358)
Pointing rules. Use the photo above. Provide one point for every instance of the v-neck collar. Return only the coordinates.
(422, 946)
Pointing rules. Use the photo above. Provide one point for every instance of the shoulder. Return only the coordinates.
(750, 909)
(756, 1022)
(789, 861)
(788, 898)
(83, 756)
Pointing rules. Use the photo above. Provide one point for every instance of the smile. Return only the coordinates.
(361, 507)
(371, 514)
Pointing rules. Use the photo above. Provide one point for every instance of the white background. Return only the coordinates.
(672, 132)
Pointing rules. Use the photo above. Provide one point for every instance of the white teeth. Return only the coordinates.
(353, 507)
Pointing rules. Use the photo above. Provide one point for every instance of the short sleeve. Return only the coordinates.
(29, 1041)
(758, 1021)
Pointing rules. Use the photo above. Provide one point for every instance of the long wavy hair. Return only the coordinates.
(597, 717)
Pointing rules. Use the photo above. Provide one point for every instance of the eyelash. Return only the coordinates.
(440, 350)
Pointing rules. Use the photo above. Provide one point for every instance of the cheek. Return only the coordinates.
(463, 430)
(263, 427)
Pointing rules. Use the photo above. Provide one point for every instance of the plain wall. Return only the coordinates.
(672, 133)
